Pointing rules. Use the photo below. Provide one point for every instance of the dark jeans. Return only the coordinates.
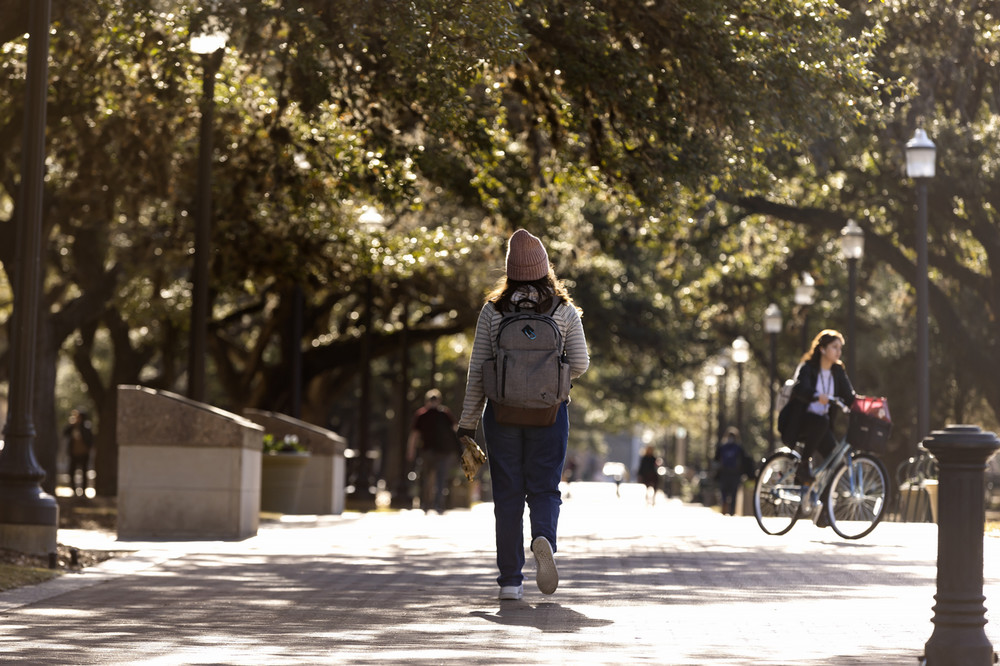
(78, 463)
(526, 465)
(436, 467)
(729, 484)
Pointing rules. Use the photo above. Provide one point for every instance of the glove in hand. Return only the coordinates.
(472, 457)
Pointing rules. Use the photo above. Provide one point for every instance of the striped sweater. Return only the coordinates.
(484, 347)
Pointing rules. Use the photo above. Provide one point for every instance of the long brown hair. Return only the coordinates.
(549, 285)
(822, 339)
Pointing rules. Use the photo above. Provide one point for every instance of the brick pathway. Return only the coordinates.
(674, 584)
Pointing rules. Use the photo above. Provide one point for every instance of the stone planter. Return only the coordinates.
(281, 477)
(186, 470)
(324, 481)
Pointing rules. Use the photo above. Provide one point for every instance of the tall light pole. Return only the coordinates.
(852, 247)
(741, 354)
(370, 221)
(772, 326)
(680, 444)
(29, 516)
(210, 46)
(920, 166)
(805, 295)
(711, 381)
(720, 401)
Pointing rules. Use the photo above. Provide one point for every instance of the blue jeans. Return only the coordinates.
(526, 465)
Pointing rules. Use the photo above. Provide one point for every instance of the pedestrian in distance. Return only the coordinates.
(649, 473)
(819, 377)
(526, 439)
(731, 460)
(433, 431)
(79, 439)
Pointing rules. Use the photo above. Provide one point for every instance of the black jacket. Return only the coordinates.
(804, 393)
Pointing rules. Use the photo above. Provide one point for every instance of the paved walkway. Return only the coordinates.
(673, 584)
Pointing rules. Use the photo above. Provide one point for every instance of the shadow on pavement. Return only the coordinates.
(547, 616)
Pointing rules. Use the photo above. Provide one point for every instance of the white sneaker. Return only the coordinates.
(547, 576)
(512, 592)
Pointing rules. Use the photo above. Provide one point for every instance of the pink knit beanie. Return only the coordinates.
(526, 258)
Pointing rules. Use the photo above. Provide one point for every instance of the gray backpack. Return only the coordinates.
(528, 379)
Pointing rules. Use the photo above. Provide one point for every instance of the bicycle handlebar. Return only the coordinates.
(839, 403)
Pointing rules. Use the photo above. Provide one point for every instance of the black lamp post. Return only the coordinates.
(920, 158)
(29, 517)
(711, 382)
(370, 221)
(852, 247)
(681, 443)
(805, 295)
(720, 403)
(210, 46)
(772, 326)
(741, 354)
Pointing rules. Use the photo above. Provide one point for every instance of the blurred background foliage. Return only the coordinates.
(684, 162)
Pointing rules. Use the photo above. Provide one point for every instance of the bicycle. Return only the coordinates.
(850, 493)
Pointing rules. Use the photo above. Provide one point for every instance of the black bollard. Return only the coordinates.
(959, 636)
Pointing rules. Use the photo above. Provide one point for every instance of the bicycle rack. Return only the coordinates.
(913, 502)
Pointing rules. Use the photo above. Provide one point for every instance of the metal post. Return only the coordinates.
(959, 637)
(923, 374)
(805, 329)
(739, 397)
(852, 290)
(29, 517)
(708, 427)
(362, 487)
(773, 380)
(295, 351)
(721, 406)
(203, 232)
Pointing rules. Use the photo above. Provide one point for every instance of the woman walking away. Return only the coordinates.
(819, 377)
(526, 441)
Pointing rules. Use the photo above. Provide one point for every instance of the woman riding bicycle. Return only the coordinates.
(819, 377)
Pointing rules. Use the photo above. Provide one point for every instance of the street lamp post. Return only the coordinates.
(772, 326)
(805, 295)
(741, 354)
(29, 516)
(680, 444)
(711, 381)
(852, 247)
(720, 402)
(210, 46)
(370, 221)
(920, 166)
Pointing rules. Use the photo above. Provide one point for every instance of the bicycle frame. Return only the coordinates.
(849, 491)
(810, 494)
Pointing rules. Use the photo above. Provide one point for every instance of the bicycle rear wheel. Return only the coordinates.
(776, 497)
(858, 496)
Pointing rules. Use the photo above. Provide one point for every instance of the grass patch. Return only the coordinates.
(13, 576)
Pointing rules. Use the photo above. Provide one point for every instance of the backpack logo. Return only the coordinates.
(528, 332)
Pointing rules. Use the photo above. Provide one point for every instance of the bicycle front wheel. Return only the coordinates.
(859, 494)
(776, 497)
